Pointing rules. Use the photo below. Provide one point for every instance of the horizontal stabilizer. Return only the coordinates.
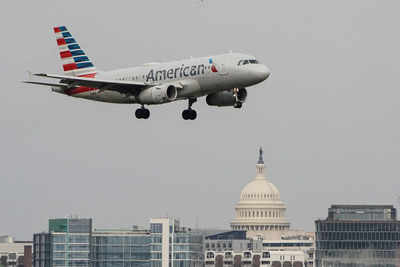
(60, 85)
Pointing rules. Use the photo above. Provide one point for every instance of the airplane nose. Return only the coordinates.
(263, 72)
(259, 72)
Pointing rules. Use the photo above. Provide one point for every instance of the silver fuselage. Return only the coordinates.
(195, 77)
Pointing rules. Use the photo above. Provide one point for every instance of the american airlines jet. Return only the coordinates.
(222, 78)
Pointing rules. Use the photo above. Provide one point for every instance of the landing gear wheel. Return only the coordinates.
(185, 114)
(189, 114)
(193, 114)
(142, 113)
(146, 113)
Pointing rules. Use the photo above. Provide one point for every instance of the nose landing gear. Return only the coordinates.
(142, 113)
(189, 113)
(238, 102)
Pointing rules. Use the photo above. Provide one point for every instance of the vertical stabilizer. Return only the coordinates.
(75, 62)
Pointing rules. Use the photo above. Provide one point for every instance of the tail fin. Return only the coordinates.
(74, 59)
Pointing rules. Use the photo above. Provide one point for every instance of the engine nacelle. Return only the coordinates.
(227, 98)
(158, 94)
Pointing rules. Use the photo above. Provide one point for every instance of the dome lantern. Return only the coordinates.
(260, 165)
(260, 156)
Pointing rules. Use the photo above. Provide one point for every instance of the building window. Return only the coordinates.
(156, 228)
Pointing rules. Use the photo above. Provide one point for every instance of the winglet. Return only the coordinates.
(29, 74)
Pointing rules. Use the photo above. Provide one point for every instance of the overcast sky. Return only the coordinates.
(328, 117)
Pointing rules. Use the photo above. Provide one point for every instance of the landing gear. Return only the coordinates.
(238, 103)
(190, 114)
(142, 113)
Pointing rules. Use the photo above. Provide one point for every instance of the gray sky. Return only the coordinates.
(328, 117)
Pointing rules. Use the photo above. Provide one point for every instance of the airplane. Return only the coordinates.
(222, 79)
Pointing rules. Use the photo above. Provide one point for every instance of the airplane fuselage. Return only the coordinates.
(197, 77)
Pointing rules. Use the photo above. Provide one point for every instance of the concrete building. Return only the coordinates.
(260, 211)
(233, 249)
(261, 234)
(73, 243)
(15, 253)
(358, 235)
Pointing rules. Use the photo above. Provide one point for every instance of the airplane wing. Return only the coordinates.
(129, 87)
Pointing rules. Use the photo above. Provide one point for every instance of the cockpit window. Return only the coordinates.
(248, 61)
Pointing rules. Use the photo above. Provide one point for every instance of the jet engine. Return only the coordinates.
(158, 94)
(234, 97)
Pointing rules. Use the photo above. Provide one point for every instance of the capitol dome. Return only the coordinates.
(259, 189)
(260, 210)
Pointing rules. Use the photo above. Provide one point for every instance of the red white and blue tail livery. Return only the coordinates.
(221, 78)
(74, 59)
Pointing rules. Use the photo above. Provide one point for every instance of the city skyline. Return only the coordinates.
(326, 118)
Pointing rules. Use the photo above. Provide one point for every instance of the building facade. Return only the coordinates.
(66, 244)
(233, 249)
(120, 248)
(173, 245)
(358, 235)
(15, 253)
(73, 243)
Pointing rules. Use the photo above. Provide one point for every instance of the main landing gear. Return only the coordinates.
(190, 114)
(142, 113)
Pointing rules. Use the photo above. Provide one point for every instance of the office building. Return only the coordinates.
(173, 245)
(358, 235)
(120, 247)
(72, 242)
(66, 244)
